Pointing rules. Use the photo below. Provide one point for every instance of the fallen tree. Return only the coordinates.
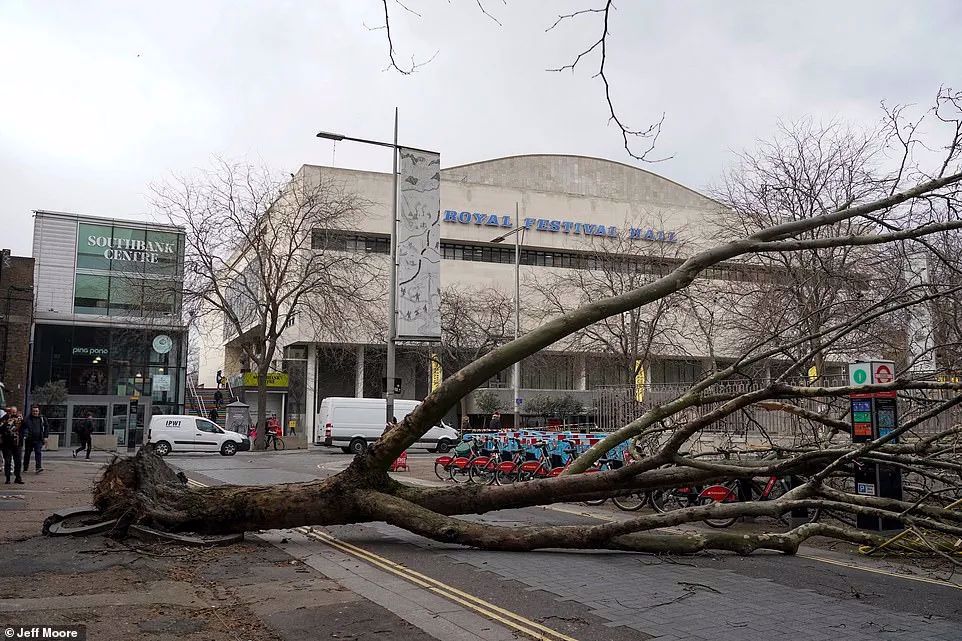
(907, 211)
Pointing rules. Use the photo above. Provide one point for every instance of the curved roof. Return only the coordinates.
(579, 175)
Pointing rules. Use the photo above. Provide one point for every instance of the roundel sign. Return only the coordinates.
(883, 373)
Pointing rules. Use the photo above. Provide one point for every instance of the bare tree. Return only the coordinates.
(805, 171)
(920, 204)
(613, 266)
(261, 252)
(474, 321)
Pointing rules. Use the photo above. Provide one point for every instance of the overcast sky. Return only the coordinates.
(100, 99)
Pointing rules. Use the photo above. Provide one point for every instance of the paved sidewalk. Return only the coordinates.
(162, 592)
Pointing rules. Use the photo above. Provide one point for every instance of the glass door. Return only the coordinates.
(118, 421)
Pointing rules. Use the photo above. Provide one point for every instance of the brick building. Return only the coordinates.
(16, 316)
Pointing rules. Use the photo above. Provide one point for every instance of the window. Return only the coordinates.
(206, 426)
(91, 294)
(92, 243)
(125, 239)
(99, 418)
(126, 296)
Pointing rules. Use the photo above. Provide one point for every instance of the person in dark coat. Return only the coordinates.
(495, 421)
(218, 398)
(212, 414)
(34, 433)
(85, 431)
(10, 443)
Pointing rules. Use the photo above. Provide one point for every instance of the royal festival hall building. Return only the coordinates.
(567, 205)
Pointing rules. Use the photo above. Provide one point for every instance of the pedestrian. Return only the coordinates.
(212, 414)
(10, 443)
(495, 421)
(35, 433)
(218, 398)
(390, 425)
(465, 424)
(85, 431)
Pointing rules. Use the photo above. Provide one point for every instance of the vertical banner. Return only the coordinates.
(419, 246)
(436, 373)
(639, 381)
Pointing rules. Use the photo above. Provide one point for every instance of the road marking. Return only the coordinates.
(864, 568)
(482, 607)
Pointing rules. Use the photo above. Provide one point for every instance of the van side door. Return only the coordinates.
(207, 436)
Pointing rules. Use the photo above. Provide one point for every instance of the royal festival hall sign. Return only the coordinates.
(557, 226)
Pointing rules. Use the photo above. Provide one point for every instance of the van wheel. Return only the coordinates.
(358, 446)
(444, 446)
(162, 448)
(228, 449)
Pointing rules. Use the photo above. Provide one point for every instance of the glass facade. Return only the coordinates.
(118, 362)
(127, 271)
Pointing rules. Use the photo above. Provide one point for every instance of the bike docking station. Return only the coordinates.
(874, 415)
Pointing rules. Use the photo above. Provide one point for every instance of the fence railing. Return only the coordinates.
(616, 406)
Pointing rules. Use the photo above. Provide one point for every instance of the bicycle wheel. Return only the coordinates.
(459, 474)
(482, 475)
(718, 494)
(278, 443)
(668, 500)
(632, 502)
(505, 478)
(438, 468)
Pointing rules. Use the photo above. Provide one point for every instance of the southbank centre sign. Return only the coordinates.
(131, 249)
(558, 226)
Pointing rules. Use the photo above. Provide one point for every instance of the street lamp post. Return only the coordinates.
(392, 286)
(517, 232)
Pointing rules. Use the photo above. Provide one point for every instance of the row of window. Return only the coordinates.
(450, 250)
(125, 296)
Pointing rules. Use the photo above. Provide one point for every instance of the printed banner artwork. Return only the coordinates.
(436, 373)
(419, 246)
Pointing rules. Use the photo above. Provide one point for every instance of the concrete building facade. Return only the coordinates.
(573, 209)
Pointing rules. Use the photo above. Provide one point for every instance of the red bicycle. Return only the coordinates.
(731, 492)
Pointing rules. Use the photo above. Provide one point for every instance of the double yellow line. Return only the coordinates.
(486, 609)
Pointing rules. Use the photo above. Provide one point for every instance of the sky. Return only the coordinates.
(99, 100)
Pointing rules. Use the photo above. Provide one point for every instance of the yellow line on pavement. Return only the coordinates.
(485, 608)
(864, 568)
(482, 607)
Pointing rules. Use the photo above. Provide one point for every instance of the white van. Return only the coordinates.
(182, 433)
(353, 423)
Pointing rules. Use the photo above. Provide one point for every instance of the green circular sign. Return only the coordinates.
(859, 376)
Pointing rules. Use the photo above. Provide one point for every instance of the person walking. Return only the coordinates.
(218, 398)
(10, 438)
(85, 431)
(212, 414)
(495, 423)
(35, 434)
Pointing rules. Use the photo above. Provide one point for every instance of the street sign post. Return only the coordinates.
(874, 415)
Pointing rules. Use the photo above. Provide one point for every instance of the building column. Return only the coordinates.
(581, 372)
(359, 373)
(310, 394)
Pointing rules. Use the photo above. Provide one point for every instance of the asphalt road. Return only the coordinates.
(819, 594)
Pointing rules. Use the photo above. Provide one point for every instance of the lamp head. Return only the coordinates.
(329, 136)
